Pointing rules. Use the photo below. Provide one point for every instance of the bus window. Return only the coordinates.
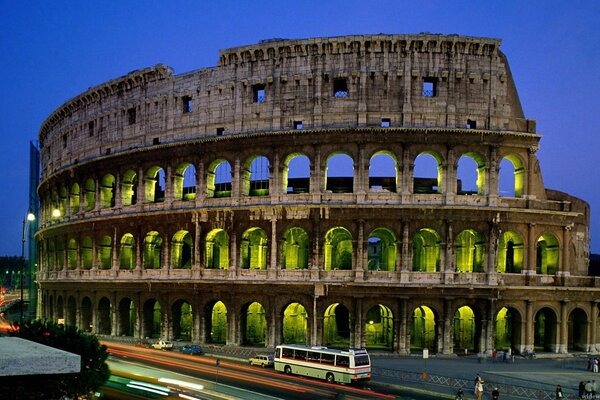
(300, 355)
(342, 361)
(313, 356)
(361, 360)
(327, 358)
(287, 353)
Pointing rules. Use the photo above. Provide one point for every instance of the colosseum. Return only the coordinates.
(378, 191)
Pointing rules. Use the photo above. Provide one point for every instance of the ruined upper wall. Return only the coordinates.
(405, 80)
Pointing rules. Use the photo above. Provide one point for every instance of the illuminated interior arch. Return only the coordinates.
(216, 329)
(107, 191)
(74, 198)
(465, 329)
(218, 179)
(182, 315)
(295, 322)
(254, 176)
(339, 173)
(511, 176)
(470, 174)
(105, 252)
(181, 249)
(427, 173)
(86, 314)
(379, 328)
(254, 324)
(544, 331)
(508, 329)
(59, 307)
(151, 319)
(72, 251)
(295, 249)
(89, 195)
(129, 188)
(336, 326)
(578, 328)
(423, 333)
(127, 252)
(296, 174)
(382, 250)
(126, 318)
(383, 172)
(152, 252)
(426, 251)
(547, 254)
(217, 249)
(184, 182)
(470, 251)
(62, 200)
(154, 185)
(104, 316)
(253, 250)
(87, 252)
(511, 249)
(337, 249)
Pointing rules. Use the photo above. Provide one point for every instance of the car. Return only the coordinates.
(163, 345)
(193, 349)
(261, 360)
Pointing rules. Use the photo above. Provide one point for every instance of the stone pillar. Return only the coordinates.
(197, 257)
(275, 184)
(448, 185)
(94, 252)
(117, 193)
(447, 332)
(563, 338)
(407, 172)
(492, 254)
(406, 253)
(564, 266)
(141, 187)
(316, 173)
(97, 184)
(272, 268)
(529, 326)
(530, 163)
(593, 328)
(166, 252)
(358, 262)
(169, 185)
(236, 181)
(449, 262)
(114, 323)
(361, 172)
(492, 178)
(138, 250)
(115, 255)
(530, 268)
(81, 197)
(199, 333)
(401, 330)
(138, 332)
(166, 328)
(200, 184)
(359, 328)
(490, 337)
(233, 252)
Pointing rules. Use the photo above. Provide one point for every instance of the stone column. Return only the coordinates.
(275, 184)
(115, 255)
(200, 184)
(359, 331)
(114, 323)
(166, 328)
(117, 193)
(564, 266)
(529, 326)
(490, 336)
(141, 187)
(359, 265)
(449, 168)
(447, 331)
(401, 330)
(236, 181)
(530, 268)
(169, 185)
(407, 171)
(197, 257)
(593, 330)
(563, 338)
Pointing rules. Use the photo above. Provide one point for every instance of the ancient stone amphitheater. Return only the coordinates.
(378, 191)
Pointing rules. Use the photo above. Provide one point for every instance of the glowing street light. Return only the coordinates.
(28, 218)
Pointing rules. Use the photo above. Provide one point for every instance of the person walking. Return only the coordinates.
(479, 390)
(459, 394)
(595, 365)
(495, 394)
(559, 393)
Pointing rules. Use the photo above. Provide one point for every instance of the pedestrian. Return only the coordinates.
(589, 364)
(581, 389)
(459, 394)
(595, 365)
(479, 390)
(559, 393)
(495, 394)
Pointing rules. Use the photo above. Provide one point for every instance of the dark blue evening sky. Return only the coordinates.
(52, 51)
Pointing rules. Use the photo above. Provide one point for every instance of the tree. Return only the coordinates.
(94, 370)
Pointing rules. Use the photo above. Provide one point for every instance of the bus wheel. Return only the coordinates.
(288, 369)
(330, 378)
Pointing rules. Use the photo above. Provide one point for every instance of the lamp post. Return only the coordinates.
(28, 218)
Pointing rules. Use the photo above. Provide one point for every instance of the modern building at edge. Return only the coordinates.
(272, 199)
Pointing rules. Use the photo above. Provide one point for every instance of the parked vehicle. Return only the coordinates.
(163, 345)
(193, 349)
(260, 360)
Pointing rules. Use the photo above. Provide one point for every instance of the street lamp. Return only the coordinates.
(28, 218)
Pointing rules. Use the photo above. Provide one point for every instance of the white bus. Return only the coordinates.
(344, 366)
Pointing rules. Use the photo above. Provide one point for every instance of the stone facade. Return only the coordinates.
(203, 206)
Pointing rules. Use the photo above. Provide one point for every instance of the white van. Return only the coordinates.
(263, 361)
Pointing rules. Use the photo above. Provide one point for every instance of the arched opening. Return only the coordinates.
(465, 329)
(217, 249)
(154, 185)
(60, 309)
(218, 179)
(216, 326)
(71, 317)
(74, 198)
(72, 251)
(336, 326)
(60, 253)
(184, 182)
(87, 253)
(427, 173)
(129, 188)
(423, 332)
(105, 252)
(294, 253)
(379, 328)
(107, 191)
(470, 251)
(544, 331)
(426, 251)
(151, 319)
(181, 250)
(254, 177)
(152, 252)
(253, 249)
(470, 174)
(337, 249)
(339, 174)
(254, 325)
(89, 195)
(127, 252)
(51, 255)
(381, 250)
(295, 323)
(104, 316)
(511, 249)
(578, 327)
(547, 255)
(511, 177)
(126, 317)
(183, 319)
(86, 315)
(508, 329)
(383, 172)
(296, 174)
